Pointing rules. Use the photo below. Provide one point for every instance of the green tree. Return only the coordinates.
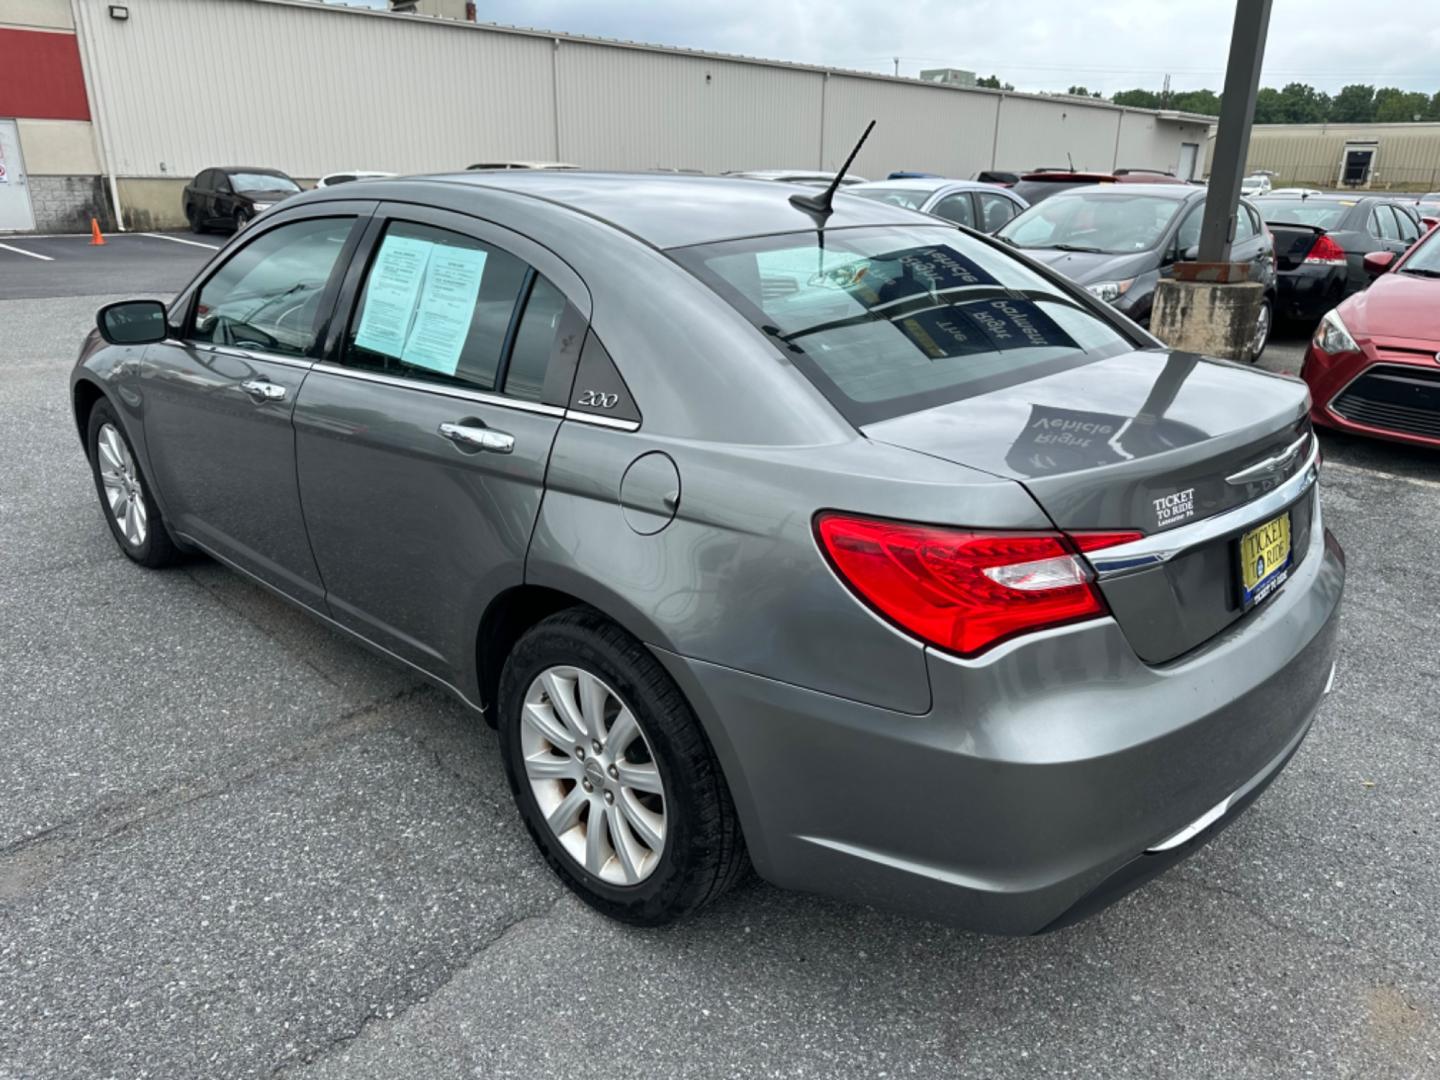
(992, 82)
(1137, 99)
(1354, 104)
(1204, 102)
(1394, 106)
(1269, 106)
(1303, 104)
(1080, 91)
(1434, 111)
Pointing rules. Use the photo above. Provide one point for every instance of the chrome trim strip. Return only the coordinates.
(1329, 680)
(1270, 464)
(296, 362)
(443, 391)
(1195, 828)
(1162, 547)
(602, 421)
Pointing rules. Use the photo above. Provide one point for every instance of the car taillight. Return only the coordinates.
(1326, 252)
(966, 590)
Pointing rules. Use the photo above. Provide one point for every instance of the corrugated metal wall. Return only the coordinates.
(1407, 155)
(185, 84)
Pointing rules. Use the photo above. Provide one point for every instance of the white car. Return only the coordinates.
(1297, 192)
(1255, 184)
(331, 179)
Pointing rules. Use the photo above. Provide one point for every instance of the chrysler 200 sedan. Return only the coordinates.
(851, 545)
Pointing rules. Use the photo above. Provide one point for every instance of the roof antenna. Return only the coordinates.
(818, 206)
(1071, 160)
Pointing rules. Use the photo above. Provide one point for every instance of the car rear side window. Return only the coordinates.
(268, 296)
(887, 321)
(436, 306)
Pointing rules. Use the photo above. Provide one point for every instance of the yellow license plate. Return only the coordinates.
(1264, 559)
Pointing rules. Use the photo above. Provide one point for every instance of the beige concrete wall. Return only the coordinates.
(45, 14)
(59, 147)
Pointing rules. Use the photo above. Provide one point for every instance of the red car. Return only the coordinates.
(1373, 366)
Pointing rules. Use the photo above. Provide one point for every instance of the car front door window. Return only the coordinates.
(995, 210)
(268, 296)
(957, 208)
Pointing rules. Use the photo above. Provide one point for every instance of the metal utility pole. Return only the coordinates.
(897, 67)
(1232, 140)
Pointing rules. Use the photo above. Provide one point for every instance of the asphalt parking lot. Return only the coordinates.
(234, 844)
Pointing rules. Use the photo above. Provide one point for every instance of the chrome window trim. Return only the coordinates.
(298, 362)
(459, 392)
(1162, 547)
(602, 421)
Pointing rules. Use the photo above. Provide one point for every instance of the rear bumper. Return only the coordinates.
(1045, 770)
(1308, 292)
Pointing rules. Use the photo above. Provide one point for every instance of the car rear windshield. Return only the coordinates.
(908, 197)
(1107, 220)
(245, 181)
(1323, 215)
(887, 321)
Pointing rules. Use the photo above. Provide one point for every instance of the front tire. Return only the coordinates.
(125, 497)
(1264, 323)
(242, 219)
(612, 773)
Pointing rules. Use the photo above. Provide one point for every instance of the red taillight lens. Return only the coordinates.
(965, 591)
(1326, 252)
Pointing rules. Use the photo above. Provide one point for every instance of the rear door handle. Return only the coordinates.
(263, 390)
(472, 438)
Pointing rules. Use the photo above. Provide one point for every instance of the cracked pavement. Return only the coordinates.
(234, 844)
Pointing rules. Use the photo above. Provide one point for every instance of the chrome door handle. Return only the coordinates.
(468, 437)
(263, 390)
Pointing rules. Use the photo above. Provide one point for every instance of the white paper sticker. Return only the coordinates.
(394, 284)
(447, 304)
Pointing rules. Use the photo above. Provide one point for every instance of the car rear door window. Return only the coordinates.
(436, 306)
(534, 341)
(995, 210)
(269, 296)
(1408, 231)
(957, 208)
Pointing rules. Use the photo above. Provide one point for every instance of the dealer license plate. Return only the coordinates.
(1264, 560)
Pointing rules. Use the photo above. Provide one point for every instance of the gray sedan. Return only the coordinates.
(843, 543)
(975, 205)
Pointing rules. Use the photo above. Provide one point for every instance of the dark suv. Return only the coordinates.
(1119, 240)
(229, 198)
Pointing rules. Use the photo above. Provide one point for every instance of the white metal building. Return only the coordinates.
(176, 86)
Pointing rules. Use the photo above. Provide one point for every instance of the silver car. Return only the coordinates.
(852, 546)
(971, 203)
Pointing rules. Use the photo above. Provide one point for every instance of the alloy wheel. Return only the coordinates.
(1262, 331)
(123, 491)
(593, 775)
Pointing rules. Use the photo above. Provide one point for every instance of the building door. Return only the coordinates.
(1356, 166)
(15, 214)
(1189, 151)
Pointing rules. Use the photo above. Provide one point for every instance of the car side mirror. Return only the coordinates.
(132, 322)
(1191, 253)
(1377, 262)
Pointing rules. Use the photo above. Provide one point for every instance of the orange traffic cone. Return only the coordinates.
(96, 240)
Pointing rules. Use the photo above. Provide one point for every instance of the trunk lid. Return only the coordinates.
(1293, 243)
(1142, 441)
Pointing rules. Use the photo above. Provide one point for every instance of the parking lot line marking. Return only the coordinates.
(178, 240)
(32, 254)
(1346, 467)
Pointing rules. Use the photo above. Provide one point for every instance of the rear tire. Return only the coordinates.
(124, 492)
(580, 768)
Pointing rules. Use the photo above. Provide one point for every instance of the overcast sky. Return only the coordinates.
(1105, 45)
